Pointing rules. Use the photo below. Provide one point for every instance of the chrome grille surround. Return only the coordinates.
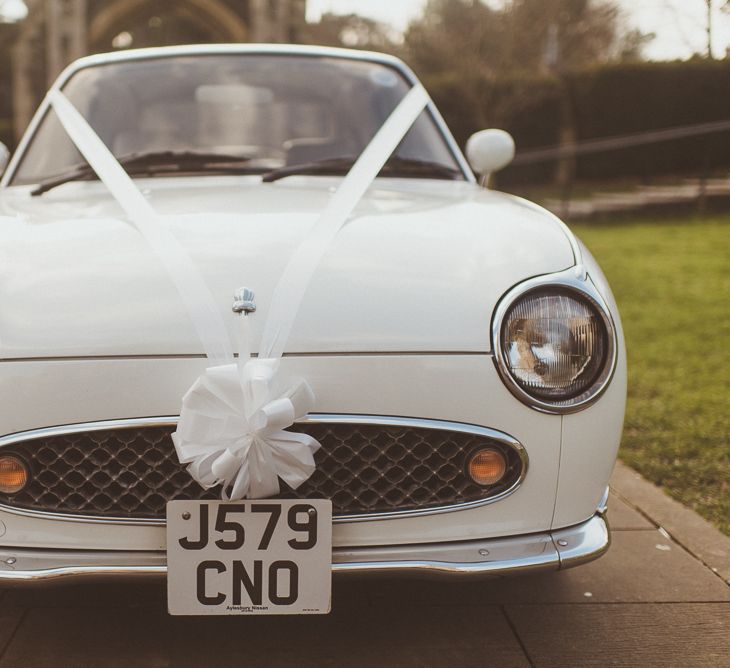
(472, 436)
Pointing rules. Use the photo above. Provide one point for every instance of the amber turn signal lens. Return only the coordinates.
(13, 474)
(487, 466)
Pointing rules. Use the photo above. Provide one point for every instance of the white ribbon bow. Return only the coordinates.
(231, 430)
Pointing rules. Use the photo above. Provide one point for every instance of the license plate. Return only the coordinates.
(249, 557)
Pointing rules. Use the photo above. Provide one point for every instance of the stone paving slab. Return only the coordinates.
(10, 619)
(631, 635)
(633, 570)
(621, 516)
(148, 636)
(92, 595)
(346, 593)
(687, 527)
(648, 602)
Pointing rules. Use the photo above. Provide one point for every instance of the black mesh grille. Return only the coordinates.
(363, 468)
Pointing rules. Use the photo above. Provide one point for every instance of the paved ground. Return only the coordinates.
(649, 602)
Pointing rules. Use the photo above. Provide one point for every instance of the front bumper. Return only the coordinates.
(554, 550)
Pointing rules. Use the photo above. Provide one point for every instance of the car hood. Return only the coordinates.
(419, 267)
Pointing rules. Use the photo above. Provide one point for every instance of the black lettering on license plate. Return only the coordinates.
(253, 579)
(282, 582)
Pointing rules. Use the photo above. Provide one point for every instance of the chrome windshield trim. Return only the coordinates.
(473, 559)
(575, 280)
(313, 418)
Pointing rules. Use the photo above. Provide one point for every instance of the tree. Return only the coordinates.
(724, 7)
(455, 35)
(8, 35)
(709, 28)
(351, 31)
(586, 31)
(522, 36)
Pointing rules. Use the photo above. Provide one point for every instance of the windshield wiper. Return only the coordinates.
(150, 163)
(396, 166)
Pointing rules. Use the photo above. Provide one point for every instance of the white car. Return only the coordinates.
(463, 346)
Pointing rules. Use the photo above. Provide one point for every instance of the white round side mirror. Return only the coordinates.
(490, 150)
(4, 157)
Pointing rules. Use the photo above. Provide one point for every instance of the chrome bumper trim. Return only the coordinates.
(555, 550)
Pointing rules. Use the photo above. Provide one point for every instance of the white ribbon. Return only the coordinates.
(290, 290)
(233, 419)
(196, 295)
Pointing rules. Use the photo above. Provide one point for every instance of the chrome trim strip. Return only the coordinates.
(201, 356)
(555, 550)
(577, 547)
(313, 418)
(574, 280)
(603, 503)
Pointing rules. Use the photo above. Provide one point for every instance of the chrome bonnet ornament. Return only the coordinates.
(243, 301)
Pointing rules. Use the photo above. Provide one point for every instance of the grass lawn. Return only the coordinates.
(672, 283)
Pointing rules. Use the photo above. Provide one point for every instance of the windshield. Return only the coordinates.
(272, 110)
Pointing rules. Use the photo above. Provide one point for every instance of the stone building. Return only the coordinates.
(55, 32)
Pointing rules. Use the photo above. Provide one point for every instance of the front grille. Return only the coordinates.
(131, 472)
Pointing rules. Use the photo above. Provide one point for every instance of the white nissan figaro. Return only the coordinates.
(463, 364)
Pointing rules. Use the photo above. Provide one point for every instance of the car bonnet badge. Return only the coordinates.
(243, 301)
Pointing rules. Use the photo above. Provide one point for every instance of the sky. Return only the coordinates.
(679, 25)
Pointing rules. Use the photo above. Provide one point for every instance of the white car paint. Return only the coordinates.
(396, 322)
(418, 256)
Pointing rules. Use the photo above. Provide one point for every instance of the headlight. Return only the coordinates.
(554, 344)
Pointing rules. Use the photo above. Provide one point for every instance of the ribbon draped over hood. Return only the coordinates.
(233, 419)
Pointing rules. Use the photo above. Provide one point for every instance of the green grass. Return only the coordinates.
(672, 284)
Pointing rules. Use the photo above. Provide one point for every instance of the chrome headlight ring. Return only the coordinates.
(572, 281)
